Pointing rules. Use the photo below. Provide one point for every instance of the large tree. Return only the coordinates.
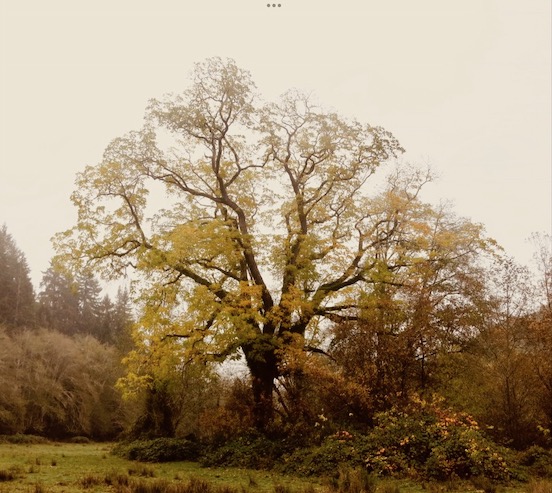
(266, 227)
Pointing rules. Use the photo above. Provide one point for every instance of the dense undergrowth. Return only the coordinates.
(400, 446)
(423, 440)
(158, 450)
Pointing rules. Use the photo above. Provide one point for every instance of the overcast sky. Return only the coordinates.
(464, 85)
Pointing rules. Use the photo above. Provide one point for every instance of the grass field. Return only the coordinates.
(72, 468)
(69, 468)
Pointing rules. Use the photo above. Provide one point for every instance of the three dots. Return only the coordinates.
(274, 5)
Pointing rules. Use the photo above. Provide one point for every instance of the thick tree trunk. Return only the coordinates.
(263, 411)
(262, 362)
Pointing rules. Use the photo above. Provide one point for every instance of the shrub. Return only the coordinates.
(20, 438)
(219, 425)
(248, 451)
(327, 458)
(423, 440)
(538, 461)
(158, 450)
(79, 439)
(433, 441)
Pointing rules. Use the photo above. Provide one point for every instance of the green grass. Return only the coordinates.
(72, 468)
(91, 468)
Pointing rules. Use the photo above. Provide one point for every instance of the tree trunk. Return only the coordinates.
(262, 362)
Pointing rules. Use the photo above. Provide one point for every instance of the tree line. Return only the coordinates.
(60, 351)
(69, 304)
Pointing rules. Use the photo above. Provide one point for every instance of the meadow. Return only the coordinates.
(90, 467)
(72, 468)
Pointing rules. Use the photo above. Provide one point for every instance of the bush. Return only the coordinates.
(79, 439)
(538, 461)
(249, 451)
(423, 440)
(434, 442)
(158, 450)
(219, 425)
(326, 459)
(19, 438)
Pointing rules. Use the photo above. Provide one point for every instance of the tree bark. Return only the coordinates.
(262, 361)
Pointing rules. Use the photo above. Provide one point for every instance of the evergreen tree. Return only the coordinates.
(106, 320)
(73, 305)
(88, 296)
(17, 300)
(122, 320)
(59, 303)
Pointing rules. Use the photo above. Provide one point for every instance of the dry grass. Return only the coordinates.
(539, 486)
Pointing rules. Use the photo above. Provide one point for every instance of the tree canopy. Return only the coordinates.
(265, 229)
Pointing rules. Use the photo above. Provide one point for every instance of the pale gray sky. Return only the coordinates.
(464, 85)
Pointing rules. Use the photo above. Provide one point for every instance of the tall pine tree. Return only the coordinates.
(17, 300)
(59, 303)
